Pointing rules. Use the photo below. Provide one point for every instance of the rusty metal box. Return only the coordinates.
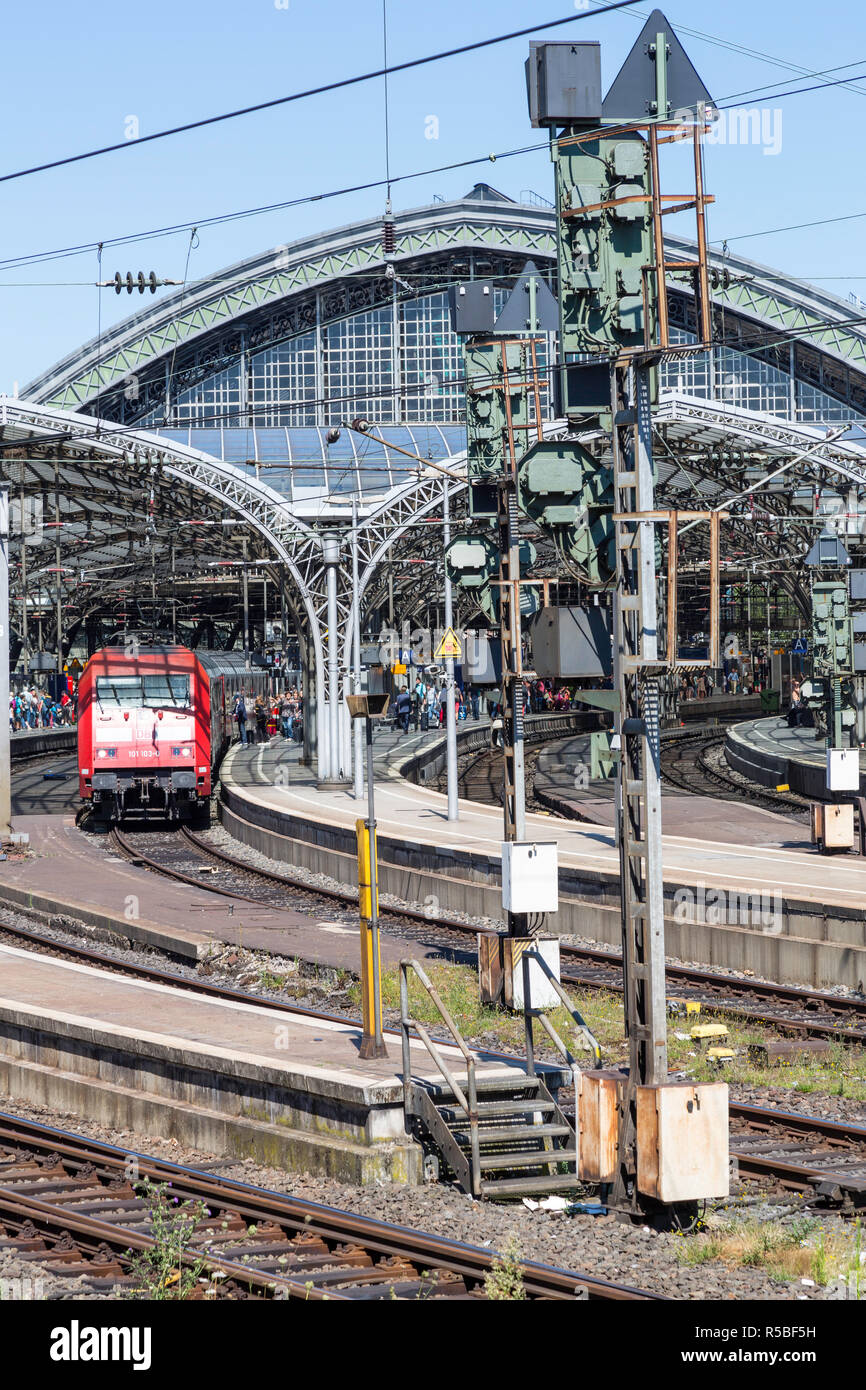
(682, 1141)
(833, 825)
(490, 968)
(839, 826)
(597, 1124)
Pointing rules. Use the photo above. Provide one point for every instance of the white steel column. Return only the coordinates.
(357, 724)
(331, 557)
(450, 712)
(5, 747)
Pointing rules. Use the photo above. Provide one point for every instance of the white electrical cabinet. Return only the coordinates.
(530, 876)
(843, 769)
(542, 995)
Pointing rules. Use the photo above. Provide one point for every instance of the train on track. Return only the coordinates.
(153, 724)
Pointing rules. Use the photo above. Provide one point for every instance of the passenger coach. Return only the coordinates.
(153, 724)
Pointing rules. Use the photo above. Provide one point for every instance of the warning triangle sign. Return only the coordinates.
(634, 94)
(450, 644)
(515, 316)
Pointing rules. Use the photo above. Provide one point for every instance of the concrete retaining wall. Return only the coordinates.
(31, 745)
(806, 944)
(770, 769)
(225, 1105)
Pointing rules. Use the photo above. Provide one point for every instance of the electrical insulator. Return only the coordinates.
(389, 235)
(142, 282)
(720, 278)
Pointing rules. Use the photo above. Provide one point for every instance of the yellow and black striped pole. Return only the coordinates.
(372, 1044)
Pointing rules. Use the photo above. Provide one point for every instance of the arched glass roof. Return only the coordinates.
(302, 466)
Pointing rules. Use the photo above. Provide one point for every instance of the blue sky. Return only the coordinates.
(75, 74)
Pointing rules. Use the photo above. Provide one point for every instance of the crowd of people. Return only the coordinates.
(266, 717)
(423, 706)
(37, 709)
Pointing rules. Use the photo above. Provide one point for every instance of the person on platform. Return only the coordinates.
(794, 717)
(240, 712)
(260, 710)
(404, 709)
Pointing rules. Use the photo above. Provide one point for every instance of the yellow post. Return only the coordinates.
(371, 961)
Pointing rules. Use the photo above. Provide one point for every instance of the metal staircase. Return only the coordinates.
(501, 1136)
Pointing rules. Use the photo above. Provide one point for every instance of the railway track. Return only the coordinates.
(687, 763)
(799, 1012)
(63, 1197)
(794, 1151)
(800, 1153)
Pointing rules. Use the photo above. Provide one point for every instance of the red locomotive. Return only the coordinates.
(153, 723)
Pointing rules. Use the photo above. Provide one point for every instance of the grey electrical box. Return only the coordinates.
(43, 661)
(472, 307)
(587, 387)
(563, 84)
(481, 660)
(858, 585)
(570, 642)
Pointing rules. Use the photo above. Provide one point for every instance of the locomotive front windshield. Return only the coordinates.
(152, 692)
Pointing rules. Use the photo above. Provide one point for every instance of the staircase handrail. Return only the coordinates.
(469, 1105)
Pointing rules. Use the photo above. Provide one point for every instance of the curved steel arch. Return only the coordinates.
(389, 523)
(294, 543)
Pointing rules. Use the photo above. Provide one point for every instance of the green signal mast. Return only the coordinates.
(591, 490)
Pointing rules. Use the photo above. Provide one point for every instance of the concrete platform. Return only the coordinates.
(771, 753)
(231, 1078)
(722, 822)
(34, 794)
(78, 874)
(30, 743)
(789, 913)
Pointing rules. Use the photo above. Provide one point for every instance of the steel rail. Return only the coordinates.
(841, 1006)
(815, 999)
(334, 1224)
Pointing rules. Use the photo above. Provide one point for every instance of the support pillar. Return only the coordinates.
(331, 558)
(450, 712)
(357, 729)
(5, 747)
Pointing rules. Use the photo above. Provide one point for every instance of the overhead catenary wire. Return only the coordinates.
(82, 248)
(338, 85)
(263, 209)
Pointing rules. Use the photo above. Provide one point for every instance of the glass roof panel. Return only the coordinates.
(298, 457)
(307, 458)
(239, 445)
(207, 441)
(271, 445)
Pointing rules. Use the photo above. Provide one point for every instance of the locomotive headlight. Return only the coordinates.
(101, 753)
(185, 752)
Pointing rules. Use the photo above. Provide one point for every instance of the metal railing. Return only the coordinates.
(531, 1014)
(467, 1103)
